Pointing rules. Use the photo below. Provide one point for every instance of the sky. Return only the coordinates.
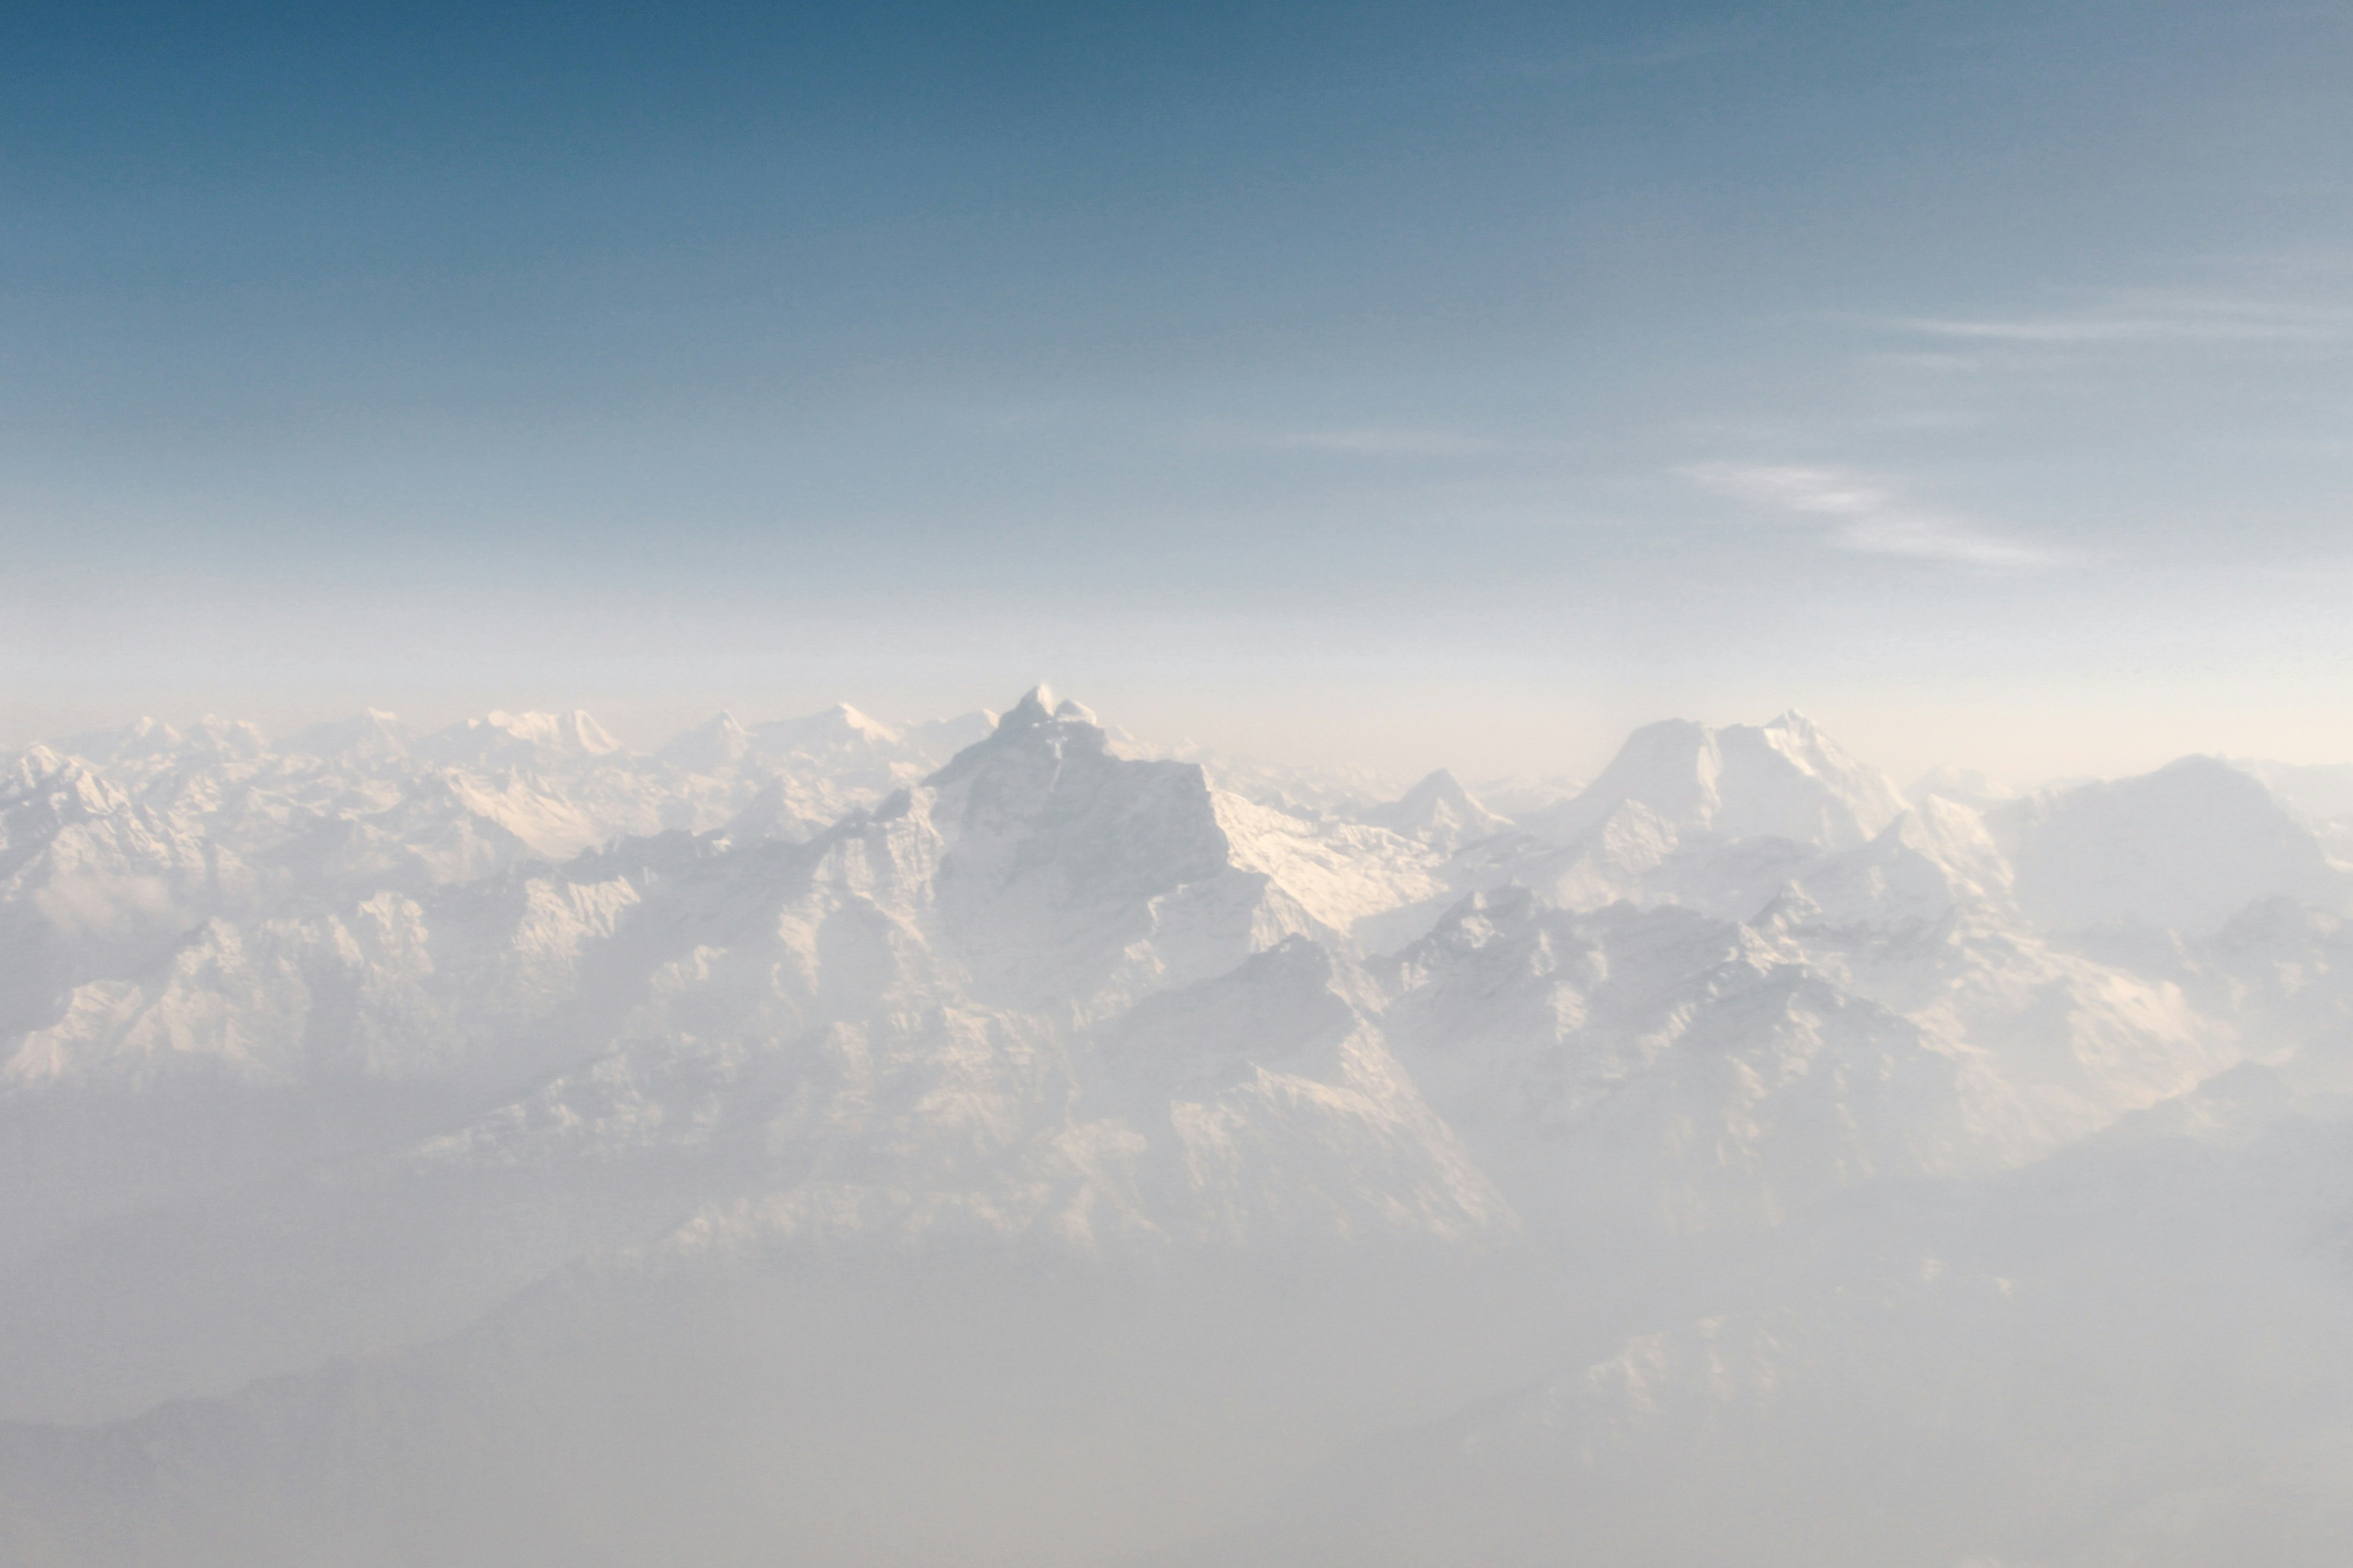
(1410, 384)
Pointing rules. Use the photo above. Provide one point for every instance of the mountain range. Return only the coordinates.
(1001, 1140)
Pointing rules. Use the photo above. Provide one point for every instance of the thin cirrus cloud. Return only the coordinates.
(1858, 512)
(2150, 319)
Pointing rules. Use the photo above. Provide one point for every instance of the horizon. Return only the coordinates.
(649, 726)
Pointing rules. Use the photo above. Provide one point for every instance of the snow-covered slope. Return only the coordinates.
(1782, 780)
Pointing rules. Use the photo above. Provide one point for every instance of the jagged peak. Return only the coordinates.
(540, 724)
(1436, 811)
(717, 741)
(575, 728)
(1782, 779)
(864, 723)
(1039, 707)
(502, 738)
(1036, 707)
(841, 724)
(1439, 783)
(1037, 718)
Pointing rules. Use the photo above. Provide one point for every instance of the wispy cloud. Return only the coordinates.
(1856, 511)
(2149, 319)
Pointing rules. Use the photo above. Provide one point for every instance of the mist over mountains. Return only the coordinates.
(999, 1140)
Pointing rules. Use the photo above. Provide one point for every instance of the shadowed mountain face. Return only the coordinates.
(831, 1139)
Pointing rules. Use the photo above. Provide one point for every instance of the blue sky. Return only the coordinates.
(1422, 383)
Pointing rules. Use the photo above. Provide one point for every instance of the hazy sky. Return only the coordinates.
(1434, 382)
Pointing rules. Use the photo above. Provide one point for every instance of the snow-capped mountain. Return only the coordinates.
(1437, 812)
(519, 740)
(1780, 780)
(329, 1049)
